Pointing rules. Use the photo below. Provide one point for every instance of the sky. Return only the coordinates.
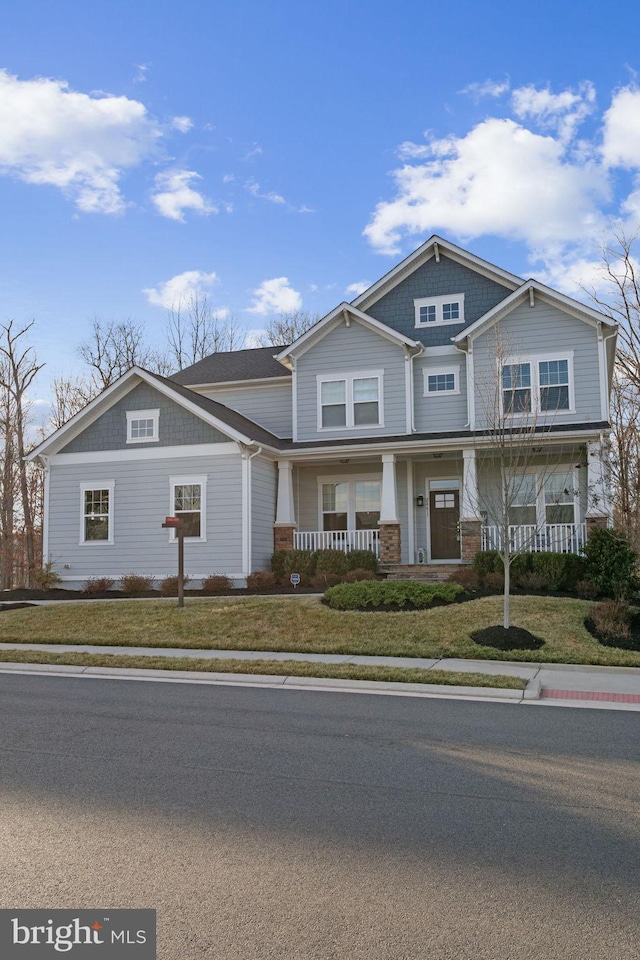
(283, 155)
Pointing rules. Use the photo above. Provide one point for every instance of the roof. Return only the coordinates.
(256, 363)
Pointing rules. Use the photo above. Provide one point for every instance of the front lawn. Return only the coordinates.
(305, 625)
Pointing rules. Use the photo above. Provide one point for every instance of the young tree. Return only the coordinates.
(286, 327)
(195, 329)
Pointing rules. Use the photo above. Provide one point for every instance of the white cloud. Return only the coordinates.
(77, 142)
(254, 337)
(228, 178)
(253, 151)
(183, 124)
(555, 111)
(486, 88)
(180, 288)
(621, 137)
(359, 287)
(254, 190)
(275, 296)
(175, 194)
(141, 75)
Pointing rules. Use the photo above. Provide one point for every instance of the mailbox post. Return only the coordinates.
(175, 523)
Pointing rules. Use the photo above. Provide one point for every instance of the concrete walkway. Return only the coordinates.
(549, 683)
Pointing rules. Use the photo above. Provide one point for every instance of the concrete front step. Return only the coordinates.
(428, 572)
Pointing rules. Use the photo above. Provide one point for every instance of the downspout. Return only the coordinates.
(246, 507)
(44, 460)
(464, 348)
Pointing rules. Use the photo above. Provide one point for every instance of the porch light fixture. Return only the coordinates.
(437, 456)
(347, 460)
(420, 501)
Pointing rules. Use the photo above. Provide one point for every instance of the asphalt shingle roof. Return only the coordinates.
(254, 364)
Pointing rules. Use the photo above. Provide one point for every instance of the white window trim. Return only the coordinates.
(351, 500)
(143, 415)
(349, 378)
(540, 478)
(438, 371)
(437, 302)
(534, 359)
(178, 481)
(109, 485)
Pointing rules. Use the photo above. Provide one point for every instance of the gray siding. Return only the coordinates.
(263, 511)
(350, 350)
(268, 405)
(142, 500)
(176, 426)
(434, 413)
(432, 279)
(542, 329)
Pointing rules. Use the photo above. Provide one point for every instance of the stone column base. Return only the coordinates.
(283, 536)
(470, 539)
(594, 522)
(390, 545)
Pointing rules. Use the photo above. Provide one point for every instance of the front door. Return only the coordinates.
(444, 514)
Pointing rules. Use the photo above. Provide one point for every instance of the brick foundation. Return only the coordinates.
(594, 522)
(283, 536)
(470, 539)
(390, 544)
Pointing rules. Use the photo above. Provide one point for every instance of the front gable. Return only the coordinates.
(176, 426)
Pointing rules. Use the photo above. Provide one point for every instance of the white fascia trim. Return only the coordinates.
(184, 480)
(221, 384)
(153, 415)
(573, 307)
(154, 453)
(427, 372)
(426, 252)
(333, 319)
(109, 485)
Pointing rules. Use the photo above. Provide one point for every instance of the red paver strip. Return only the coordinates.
(590, 695)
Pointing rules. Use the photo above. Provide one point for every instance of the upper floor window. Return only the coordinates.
(538, 385)
(96, 517)
(441, 380)
(430, 310)
(143, 426)
(350, 400)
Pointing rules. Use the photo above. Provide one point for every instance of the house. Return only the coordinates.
(370, 432)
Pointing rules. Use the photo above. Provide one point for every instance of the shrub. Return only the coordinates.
(286, 562)
(487, 561)
(169, 586)
(362, 560)
(96, 585)
(136, 583)
(552, 568)
(322, 581)
(373, 594)
(360, 573)
(611, 563)
(216, 583)
(261, 580)
(611, 619)
(331, 561)
(494, 581)
(531, 581)
(586, 589)
(46, 577)
(467, 577)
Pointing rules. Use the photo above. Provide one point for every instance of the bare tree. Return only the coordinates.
(625, 456)
(69, 395)
(113, 348)
(8, 480)
(517, 462)
(287, 327)
(195, 329)
(18, 370)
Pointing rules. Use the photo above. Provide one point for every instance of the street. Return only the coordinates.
(271, 824)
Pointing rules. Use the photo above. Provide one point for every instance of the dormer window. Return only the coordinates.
(436, 310)
(143, 426)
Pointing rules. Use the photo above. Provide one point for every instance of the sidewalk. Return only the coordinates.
(548, 683)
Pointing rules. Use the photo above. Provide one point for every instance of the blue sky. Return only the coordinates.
(278, 155)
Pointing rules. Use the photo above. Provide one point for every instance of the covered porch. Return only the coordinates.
(434, 506)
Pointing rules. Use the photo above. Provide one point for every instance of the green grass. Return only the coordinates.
(305, 625)
(279, 668)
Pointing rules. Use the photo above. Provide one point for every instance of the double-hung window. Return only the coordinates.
(516, 388)
(434, 310)
(350, 400)
(537, 385)
(96, 512)
(553, 380)
(188, 503)
(350, 505)
(559, 498)
(542, 499)
(143, 426)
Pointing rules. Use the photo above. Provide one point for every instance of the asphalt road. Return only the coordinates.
(272, 824)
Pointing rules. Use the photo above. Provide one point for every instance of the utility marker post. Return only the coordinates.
(175, 523)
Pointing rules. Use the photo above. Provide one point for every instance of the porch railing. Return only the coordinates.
(549, 538)
(344, 540)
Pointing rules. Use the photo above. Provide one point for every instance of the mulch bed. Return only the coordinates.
(13, 606)
(514, 638)
(26, 595)
(632, 642)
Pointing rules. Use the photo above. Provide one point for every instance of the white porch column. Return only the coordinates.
(389, 494)
(598, 500)
(470, 505)
(285, 510)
